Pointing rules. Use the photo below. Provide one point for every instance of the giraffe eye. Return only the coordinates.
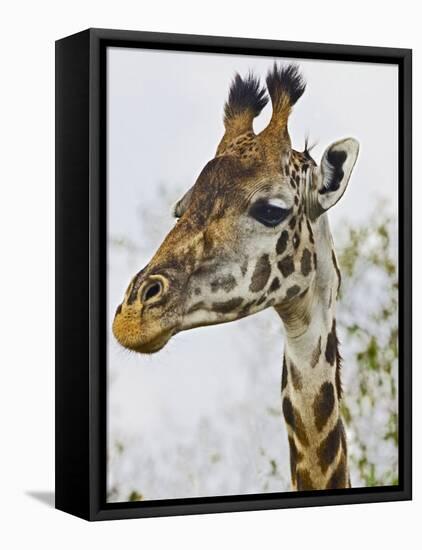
(268, 214)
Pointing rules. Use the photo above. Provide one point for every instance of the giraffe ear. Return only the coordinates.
(334, 172)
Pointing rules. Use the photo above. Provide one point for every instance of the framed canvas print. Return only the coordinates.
(233, 274)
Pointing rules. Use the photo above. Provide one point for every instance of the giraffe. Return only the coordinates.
(252, 233)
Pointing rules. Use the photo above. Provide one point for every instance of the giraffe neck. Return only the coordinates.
(311, 387)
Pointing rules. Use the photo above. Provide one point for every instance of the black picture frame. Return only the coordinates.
(81, 273)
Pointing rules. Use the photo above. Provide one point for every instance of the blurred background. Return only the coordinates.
(184, 423)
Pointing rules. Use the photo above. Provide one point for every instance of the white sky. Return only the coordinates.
(164, 124)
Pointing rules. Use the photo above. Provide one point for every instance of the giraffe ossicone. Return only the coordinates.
(253, 233)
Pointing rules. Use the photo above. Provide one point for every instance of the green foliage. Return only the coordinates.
(134, 496)
(368, 317)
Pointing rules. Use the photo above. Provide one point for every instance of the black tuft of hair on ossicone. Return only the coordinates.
(285, 80)
(245, 94)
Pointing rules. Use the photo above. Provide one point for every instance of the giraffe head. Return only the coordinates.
(246, 231)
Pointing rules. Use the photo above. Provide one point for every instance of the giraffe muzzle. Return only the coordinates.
(142, 322)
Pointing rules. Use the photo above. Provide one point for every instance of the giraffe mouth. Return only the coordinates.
(148, 340)
(150, 347)
(153, 346)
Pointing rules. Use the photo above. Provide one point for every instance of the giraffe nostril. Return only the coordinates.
(153, 290)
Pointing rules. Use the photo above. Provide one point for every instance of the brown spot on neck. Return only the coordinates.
(286, 266)
(295, 458)
(328, 449)
(332, 344)
(284, 374)
(334, 259)
(339, 479)
(323, 405)
(296, 377)
(305, 263)
(294, 420)
(304, 481)
(333, 356)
